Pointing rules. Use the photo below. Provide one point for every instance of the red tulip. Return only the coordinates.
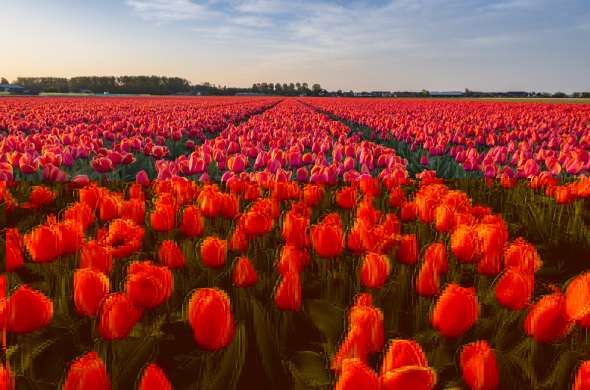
(163, 218)
(210, 317)
(514, 290)
(443, 218)
(6, 378)
(577, 297)
(90, 287)
(117, 316)
(87, 372)
(154, 378)
(582, 380)
(97, 257)
(402, 353)
(464, 243)
(408, 211)
(213, 252)
(288, 292)
(409, 377)
(14, 252)
(244, 273)
(456, 311)
(346, 197)
(522, 256)
(171, 255)
(148, 285)
(41, 196)
(428, 281)
(478, 366)
(193, 223)
(238, 241)
(356, 375)
(327, 239)
(295, 226)
(547, 319)
(374, 271)
(312, 194)
(292, 259)
(27, 310)
(436, 254)
(256, 223)
(210, 202)
(407, 252)
(42, 243)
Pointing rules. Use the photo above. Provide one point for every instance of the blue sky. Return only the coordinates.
(347, 44)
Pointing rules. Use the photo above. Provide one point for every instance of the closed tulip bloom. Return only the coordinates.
(171, 255)
(327, 239)
(409, 377)
(456, 311)
(97, 257)
(369, 319)
(27, 310)
(312, 194)
(490, 263)
(407, 252)
(354, 346)
(292, 259)
(14, 251)
(547, 319)
(42, 243)
(514, 290)
(287, 294)
(354, 241)
(256, 223)
(522, 256)
(193, 223)
(87, 372)
(230, 206)
(210, 202)
(295, 226)
(210, 317)
(428, 281)
(478, 366)
(90, 287)
(582, 380)
(402, 353)
(41, 196)
(244, 274)
(238, 241)
(148, 285)
(134, 209)
(154, 378)
(374, 270)
(90, 196)
(577, 297)
(213, 252)
(464, 243)
(346, 197)
(163, 218)
(109, 206)
(408, 211)
(6, 378)
(356, 375)
(436, 254)
(443, 218)
(396, 197)
(70, 237)
(117, 316)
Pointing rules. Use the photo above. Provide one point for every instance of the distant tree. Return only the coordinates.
(4, 81)
(278, 88)
(316, 89)
(559, 95)
(424, 93)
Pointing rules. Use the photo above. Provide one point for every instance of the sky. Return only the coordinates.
(498, 45)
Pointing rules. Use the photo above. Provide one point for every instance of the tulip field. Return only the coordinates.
(294, 243)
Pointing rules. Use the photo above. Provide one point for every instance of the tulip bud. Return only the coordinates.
(478, 366)
(456, 311)
(213, 252)
(244, 273)
(154, 378)
(87, 372)
(210, 317)
(90, 287)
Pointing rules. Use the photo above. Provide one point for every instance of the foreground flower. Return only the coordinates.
(171, 255)
(409, 377)
(374, 270)
(26, 311)
(42, 243)
(547, 320)
(479, 366)
(514, 289)
(14, 251)
(403, 353)
(407, 252)
(90, 287)
(356, 375)
(582, 380)
(456, 311)
(193, 223)
(148, 285)
(87, 372)
(6, 378)
(154, 378)
(117, 316)
(577, 296)
(327, 237)
(210, 317)
(288, 292)
(97, 257)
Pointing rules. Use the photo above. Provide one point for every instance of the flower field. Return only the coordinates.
(299, 243)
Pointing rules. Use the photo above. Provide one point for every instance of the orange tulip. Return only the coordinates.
(436, 254)
(163, 218)
(456, 311)
(90, 195)
(287, 294)
(134, 209)
(409, 377)
(148, 285)
(577, 297)
(346, 197)
(444, 218)
(327, 239)
(428, 281)
(70, 237)
(213, 252)
(41, 196)
(81, 213)
(374, 271)
(154, 378)
(369, 320)
(97, 257)
(26, 311)
(193, 223)
(408, 211)
(171, 255)
(6, 378)
(522, 256)
(117, 316)
(109, 206)
(464, 243)
(90, 287)
(478, 366)
(210, 202)
(244, 273)
(87, 372)
(210, 317)
(295, 226)
(547, 319)
(312, 194)
(292, 259)
(256, 223)
(396, 197)
(230, 205)
(238, 241)
(42, 243)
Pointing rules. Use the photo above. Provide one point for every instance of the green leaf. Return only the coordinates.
(328, 319)
(225, 373)
(310, 369)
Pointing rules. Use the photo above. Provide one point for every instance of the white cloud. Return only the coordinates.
(168, 10)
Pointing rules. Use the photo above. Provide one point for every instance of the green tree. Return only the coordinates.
(4, 81)
(316, 89)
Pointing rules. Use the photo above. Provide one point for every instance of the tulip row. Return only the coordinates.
(214, 247)
(503, 140)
